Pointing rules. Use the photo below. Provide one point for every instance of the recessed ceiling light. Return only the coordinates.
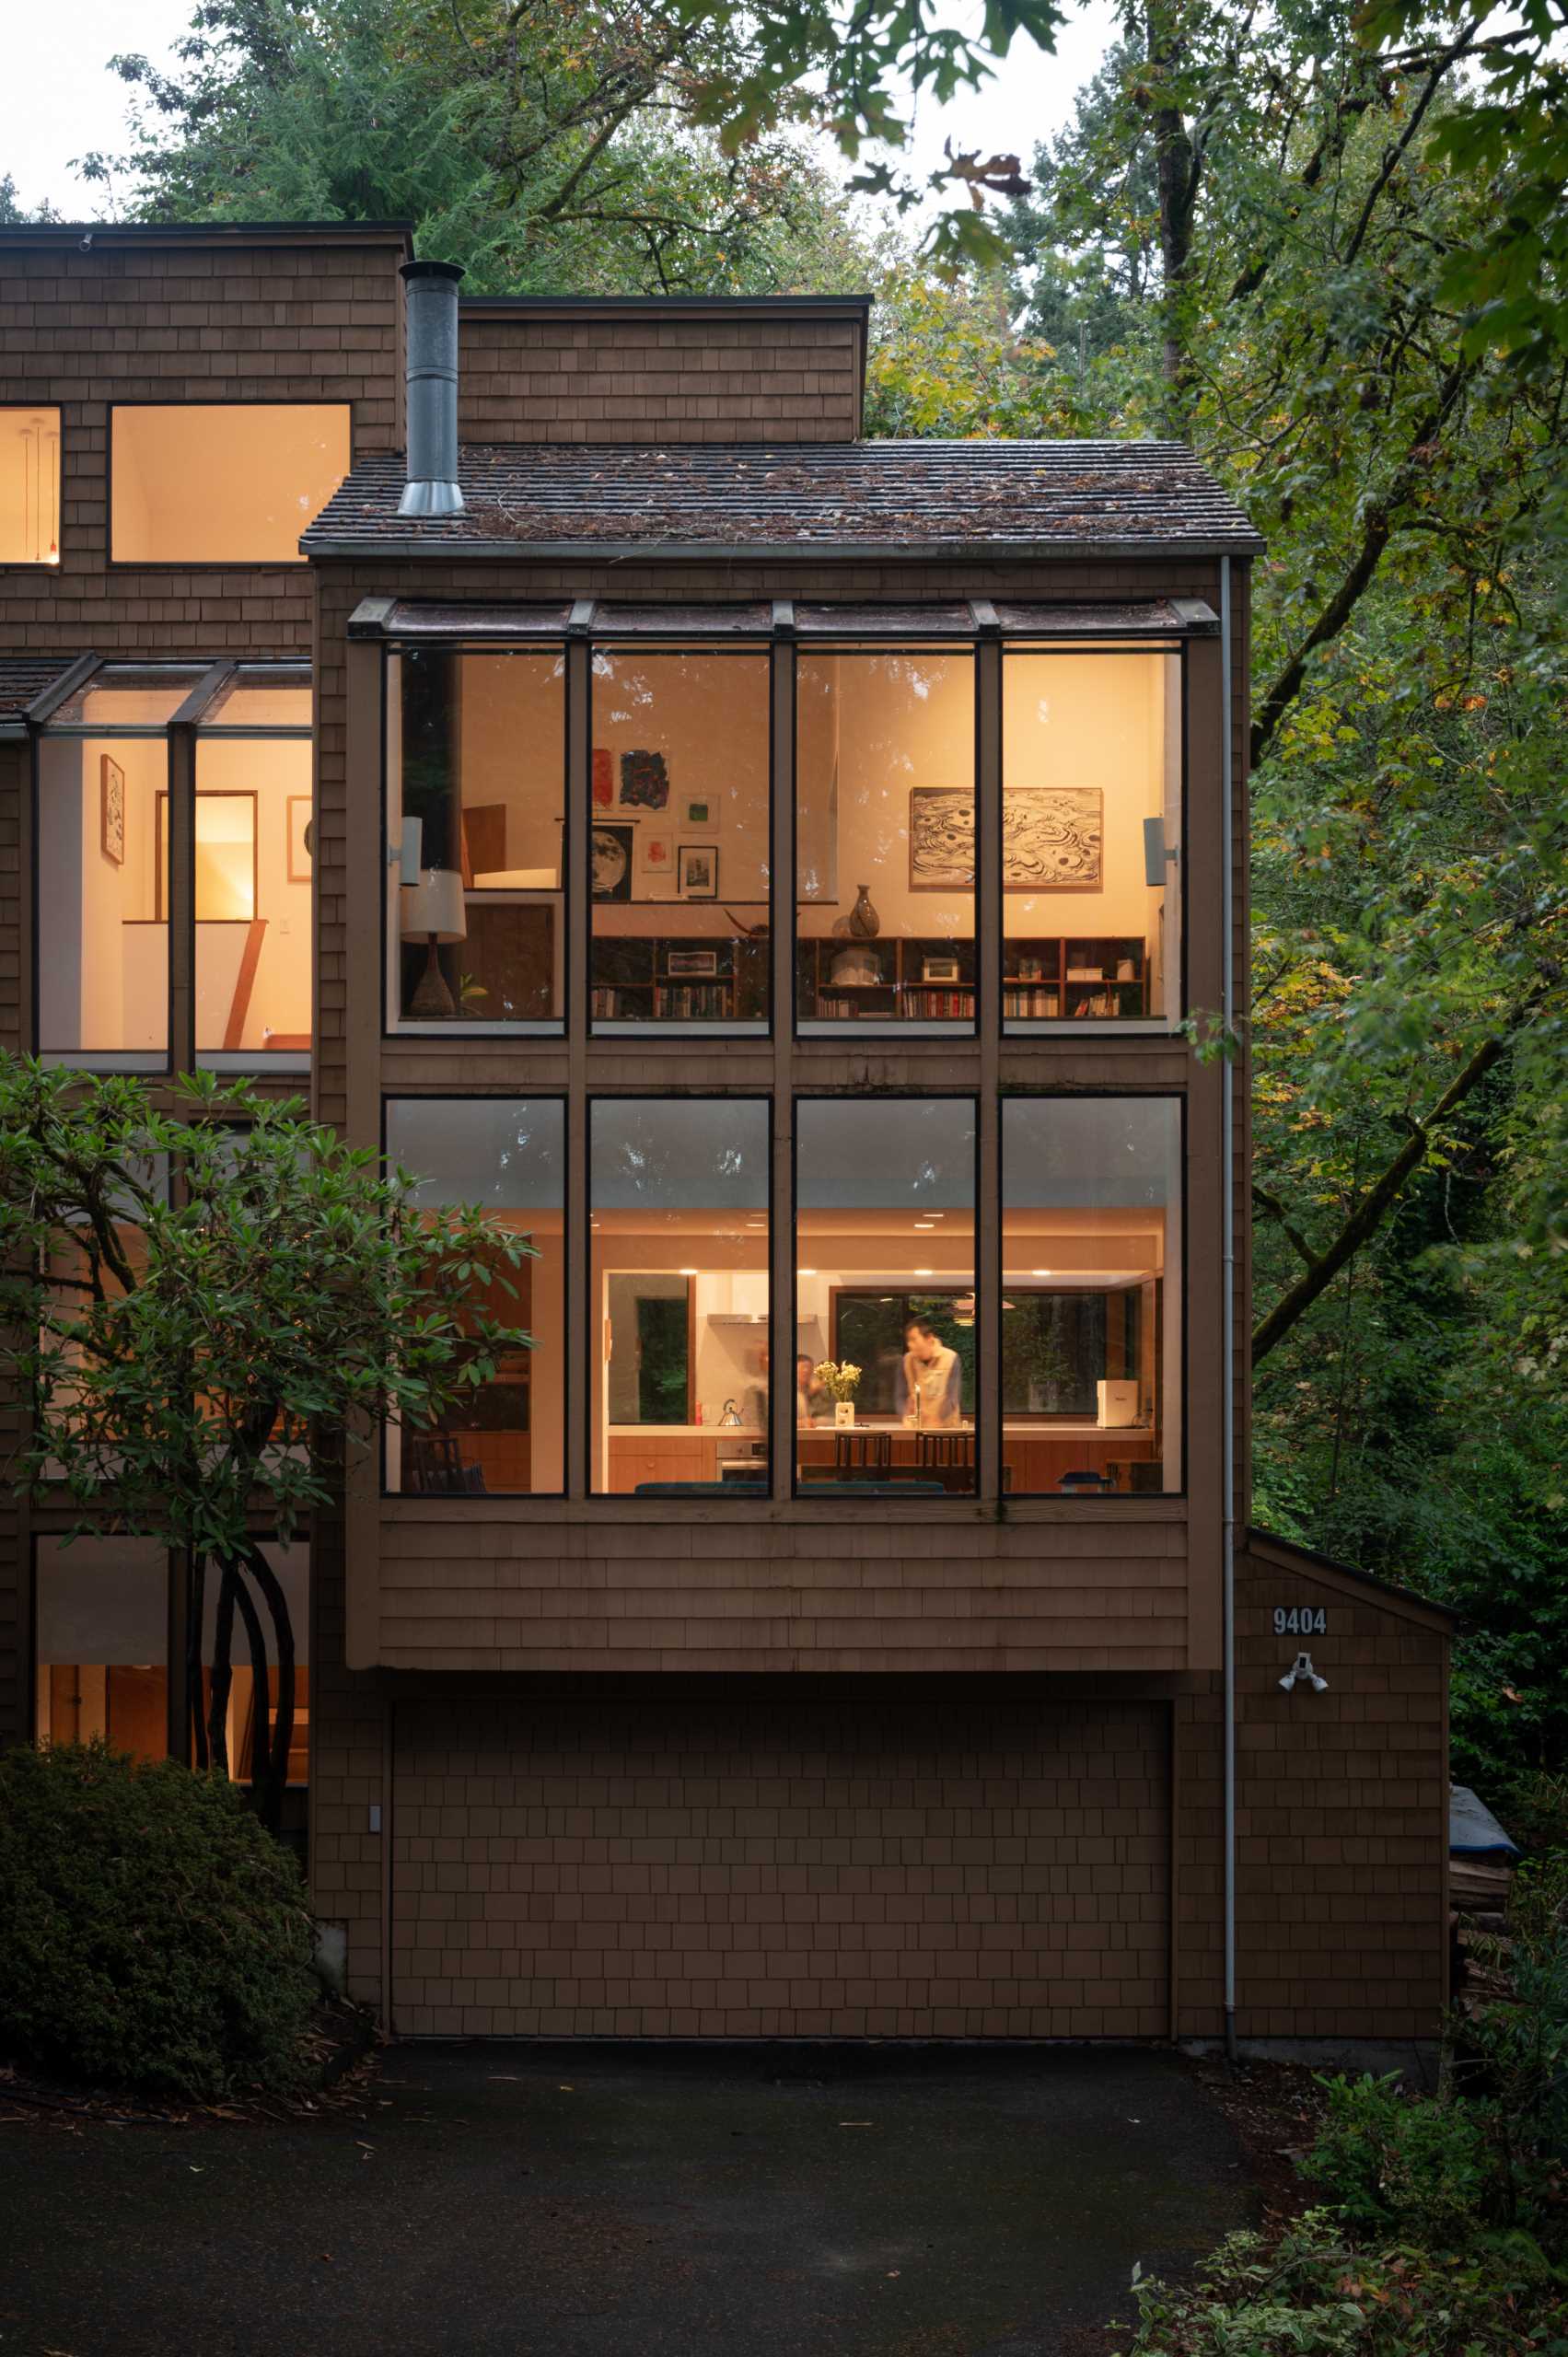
(1042, 1273)
(805, 1272)
(924, 1272)
(690, 1272)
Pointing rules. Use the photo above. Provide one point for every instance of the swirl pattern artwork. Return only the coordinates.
(1052, 838)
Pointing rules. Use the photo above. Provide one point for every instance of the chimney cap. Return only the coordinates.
(432, 270)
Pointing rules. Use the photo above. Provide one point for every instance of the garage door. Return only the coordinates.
(682, 1869)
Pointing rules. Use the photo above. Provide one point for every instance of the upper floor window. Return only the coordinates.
(885, 838)
(107, 789)
(687, 752)
(679, 894)
(1091, 804)
(30, 486)
(231, 482)
(477, 813)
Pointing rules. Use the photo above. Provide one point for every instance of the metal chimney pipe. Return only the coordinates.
(432, 300)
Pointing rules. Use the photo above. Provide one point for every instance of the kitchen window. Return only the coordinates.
(508, 1156)
(679, 1294)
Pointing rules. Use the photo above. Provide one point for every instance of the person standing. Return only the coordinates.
(932, 1379)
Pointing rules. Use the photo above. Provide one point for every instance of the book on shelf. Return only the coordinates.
(690, 1002)
(929, 1005)
(1029, 1005)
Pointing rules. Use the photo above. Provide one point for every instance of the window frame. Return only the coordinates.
(36, 566)
(182, 734)
(569, 1281)
(1166, 1095)
(394, 1024)
(289, 565)
(973, 1097)
(586, 1343)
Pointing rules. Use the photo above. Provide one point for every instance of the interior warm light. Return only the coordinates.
(690, 1273)
(1042, 1273)
(805, 1272)
(924, 1272)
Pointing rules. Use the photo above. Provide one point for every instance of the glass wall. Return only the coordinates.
(102, 1645)
(680, 837)
(230, 482)
(102, 868)
(255, 848)
(885, 1335)
(677, 1298)
(885, 838)
(508, 1156)
(477, 785)
(1091, 804)
(1091, 1327)
(30, 486)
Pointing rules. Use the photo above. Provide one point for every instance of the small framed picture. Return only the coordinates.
(655, 853)
(698, 813)
(697, 871)
(111, 809)
(938, 969)
(603, 777)
(610, 855)
(691, 962)
(301, 838)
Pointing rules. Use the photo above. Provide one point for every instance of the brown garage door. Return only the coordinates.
(852, 1869)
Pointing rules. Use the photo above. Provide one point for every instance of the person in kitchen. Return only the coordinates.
(809, 1395)
(932, 1379)
(754, 1400)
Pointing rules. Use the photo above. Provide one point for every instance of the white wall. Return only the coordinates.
(103, 964)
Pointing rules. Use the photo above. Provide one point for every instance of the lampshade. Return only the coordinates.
(434, 905)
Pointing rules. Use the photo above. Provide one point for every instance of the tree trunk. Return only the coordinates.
(261, 1731)
(1176, 175)
(271, 1799)
(198, 1606)
(223, 1670)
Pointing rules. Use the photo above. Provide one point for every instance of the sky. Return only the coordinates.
(58, 54)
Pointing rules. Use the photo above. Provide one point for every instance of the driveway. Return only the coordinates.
(571, 2201)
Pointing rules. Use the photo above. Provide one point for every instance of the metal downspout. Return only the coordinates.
(1227, 1136)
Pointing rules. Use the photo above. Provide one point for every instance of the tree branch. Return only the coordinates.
(1282, 1219)
(1379, 1198)
(1378, 529)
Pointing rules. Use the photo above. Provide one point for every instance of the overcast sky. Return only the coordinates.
(56, 54)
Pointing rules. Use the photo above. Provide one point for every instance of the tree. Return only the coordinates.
(595, 146)
(201, 1309)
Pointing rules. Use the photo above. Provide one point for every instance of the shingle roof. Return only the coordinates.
(936, 498)
(23, 678)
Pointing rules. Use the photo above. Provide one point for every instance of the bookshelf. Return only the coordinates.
(639, 980)
(1053, 978)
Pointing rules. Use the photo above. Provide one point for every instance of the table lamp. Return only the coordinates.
(433, 912)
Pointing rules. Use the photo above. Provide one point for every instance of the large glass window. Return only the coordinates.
(477, 781)
(255, 855)
(1091, 1329)
(1091, 810)
(680, 837)
(102, 878)
(229, 482)
(508, 1156)
(884, 1285)
(678, 1300)
(30, 486)
(885, 838)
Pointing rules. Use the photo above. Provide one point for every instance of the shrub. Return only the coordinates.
(1315, 2295)
(1432, 2171)
(152, 1936)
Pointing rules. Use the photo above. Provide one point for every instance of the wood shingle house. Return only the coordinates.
(776, 871)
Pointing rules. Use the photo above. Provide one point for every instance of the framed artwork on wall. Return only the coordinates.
(698, 813)
(603, 777)
(697, 871)
(655, 853)
(689, 962)
(612, 861)
(111, 809)
(941, 838)
(301, 838)
(1052, 838)
(645, 781)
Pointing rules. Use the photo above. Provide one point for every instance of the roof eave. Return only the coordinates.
(779, 552)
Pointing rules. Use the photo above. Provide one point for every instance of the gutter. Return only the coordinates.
(403, 547)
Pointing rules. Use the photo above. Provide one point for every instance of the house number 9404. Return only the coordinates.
(1300, 1620)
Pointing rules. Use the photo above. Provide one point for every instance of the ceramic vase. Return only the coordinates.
(843, 1414)
(864, 921)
